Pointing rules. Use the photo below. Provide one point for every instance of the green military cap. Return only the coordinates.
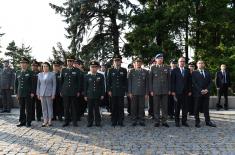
(79, 61)
(173, 61)
(70, 57)
(94, 63)
(130, 66)
(24, 60)
(117, 57)
(35, 63)
(6, 61)
(138, 59)
(56, 62)
(191, 64)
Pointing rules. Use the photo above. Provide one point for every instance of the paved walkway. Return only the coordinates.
(120, 140)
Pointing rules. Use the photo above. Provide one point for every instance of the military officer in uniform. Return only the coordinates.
(24, 92)
(94, 91)
(36, 103)
(58, 107)
(138, 91)
(159, 85)
(71, 88)
(7, 86)
(117, 87)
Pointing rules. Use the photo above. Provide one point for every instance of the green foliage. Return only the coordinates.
(94, 27)
(15, 53)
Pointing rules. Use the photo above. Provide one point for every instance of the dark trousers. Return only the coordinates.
(58, 107)
(36, 105)
(70, 109)
(94, 111)
(6, 99)
(160, 102)
(25, 110)
(117, 109)
(137, 107)
(182, 103)
(128, 105)
(150, 110)
(204, 102)
(191, 105)
(223, 91)
(82, 105)
(171, 106)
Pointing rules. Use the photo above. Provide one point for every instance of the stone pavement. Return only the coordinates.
(120, 140)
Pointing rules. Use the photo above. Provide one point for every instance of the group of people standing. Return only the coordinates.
(68, 91)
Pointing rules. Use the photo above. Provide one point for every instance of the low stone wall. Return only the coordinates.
(213, 101)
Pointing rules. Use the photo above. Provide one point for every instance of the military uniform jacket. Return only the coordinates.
(70, 81)
(58, 83)
(94, 85)
(138, 82)
(160, 80)
(117, 81)
(23, 83)
(7, 78)
(35, 80)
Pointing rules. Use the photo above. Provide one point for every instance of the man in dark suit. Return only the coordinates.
(201, 81)
(181, 89)
(223, 83)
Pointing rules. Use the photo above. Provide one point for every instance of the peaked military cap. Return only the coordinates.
(24, 60)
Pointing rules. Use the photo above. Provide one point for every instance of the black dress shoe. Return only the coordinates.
(142, 124)
(75, 124)
(156, 125)
(89, 125)
(121, 124)
(44, 125)
(66, 124)
(134, 124)
(185, 124)
(60, 119)
(114, 124)
(21, 124)
(3, 111)
(8, 111)
(225, 108)
(177, 124)
(197, 125)
(165, 125)
(98, 125)
(210, 124)
(28, 125)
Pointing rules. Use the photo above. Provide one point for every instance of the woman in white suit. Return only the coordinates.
(46, 89)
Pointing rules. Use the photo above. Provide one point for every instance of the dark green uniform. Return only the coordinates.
(36, 103)
(23, 86)
(58, 108)
(94, 88)
(117, 84)
(159, 84)
(138, 86)
(71, 86)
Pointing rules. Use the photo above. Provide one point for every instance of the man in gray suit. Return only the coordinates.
(159, 85)
(138, 90)
(7, 86)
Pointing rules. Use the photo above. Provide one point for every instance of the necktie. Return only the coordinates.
(182, 71)
(202, 73)
(224, 76)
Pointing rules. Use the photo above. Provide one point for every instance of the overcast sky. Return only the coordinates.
(33, 23)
